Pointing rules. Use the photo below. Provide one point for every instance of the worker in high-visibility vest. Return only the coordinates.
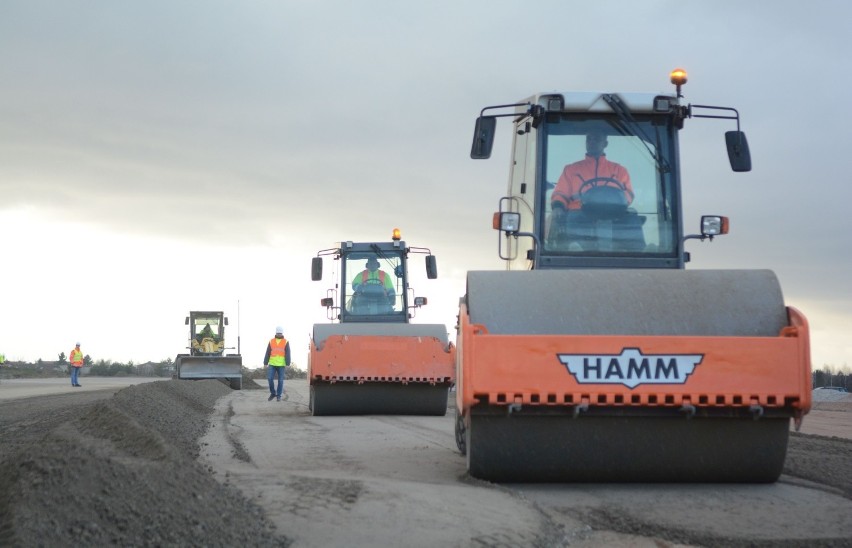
(76, 360)
(276, 358)
(372, 276)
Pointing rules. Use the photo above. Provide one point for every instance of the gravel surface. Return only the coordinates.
(79, 470)
(826, 460)
(93, 469)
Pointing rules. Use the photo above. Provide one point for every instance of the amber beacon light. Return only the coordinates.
(678, 78)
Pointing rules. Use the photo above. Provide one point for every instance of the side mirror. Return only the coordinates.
(327, 302)
(483, 137)
(316, 269)
(186, 321)
(738, 153)
(420, 301)
(226, 320)
(431, 267)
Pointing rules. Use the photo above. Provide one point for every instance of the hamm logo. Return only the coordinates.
(631, 368)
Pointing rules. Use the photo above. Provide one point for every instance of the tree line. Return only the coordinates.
(108, 368)
(832, 376)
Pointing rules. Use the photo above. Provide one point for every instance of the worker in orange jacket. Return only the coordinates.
(276, 358)
(592, 171)
(76, 360)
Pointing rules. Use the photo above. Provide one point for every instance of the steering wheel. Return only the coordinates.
(370, 290)
(600, 198)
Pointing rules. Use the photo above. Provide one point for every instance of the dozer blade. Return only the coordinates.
(513, 448)
(379, 398)
(211, 367)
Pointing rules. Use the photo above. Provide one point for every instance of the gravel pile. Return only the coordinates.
(124, 472)
(822, 394)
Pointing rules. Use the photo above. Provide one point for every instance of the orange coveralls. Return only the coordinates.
(567, 190)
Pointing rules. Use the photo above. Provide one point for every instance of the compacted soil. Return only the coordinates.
(97, 468)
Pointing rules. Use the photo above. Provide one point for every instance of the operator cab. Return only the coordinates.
(207, 332)
(595, 180)
(618, 201)
(375, 283)
(372, 281)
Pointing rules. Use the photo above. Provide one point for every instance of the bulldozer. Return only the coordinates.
(207, 358)
(370, 358)
(596, 356)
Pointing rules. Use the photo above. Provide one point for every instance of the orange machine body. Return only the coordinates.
(378, 358)
(733, 372)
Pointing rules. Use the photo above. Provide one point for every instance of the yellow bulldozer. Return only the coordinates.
(207, 358)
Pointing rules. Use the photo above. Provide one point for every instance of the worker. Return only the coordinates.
(589, 191)
(207, 332)
(595, 170)
(276, 358)
(76, 364)
(373, 276)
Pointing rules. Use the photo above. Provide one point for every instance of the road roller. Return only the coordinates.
(596, 356)
(370, 358)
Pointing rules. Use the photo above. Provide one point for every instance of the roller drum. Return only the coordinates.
(744, 303)
(638, 445)
(324, 331)
(504, 448)
(378, 398)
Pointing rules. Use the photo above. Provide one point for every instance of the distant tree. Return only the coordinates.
(829, 375)
(164, 368)
(62, 358)
(87, 360)
(293, 372)
(842, 379)
(818, 378)
(100, 369)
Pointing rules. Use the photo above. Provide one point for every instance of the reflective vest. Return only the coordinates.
(366, 276)
(277, 355)
(77, 357)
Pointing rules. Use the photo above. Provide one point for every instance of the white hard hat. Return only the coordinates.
(78, 343)
(279, 330)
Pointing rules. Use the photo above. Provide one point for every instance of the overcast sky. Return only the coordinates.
(158, 157)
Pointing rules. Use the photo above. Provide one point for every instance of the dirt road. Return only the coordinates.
(334, 481)
(139, 467)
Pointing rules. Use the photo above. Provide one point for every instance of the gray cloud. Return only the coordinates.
(310, 122)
